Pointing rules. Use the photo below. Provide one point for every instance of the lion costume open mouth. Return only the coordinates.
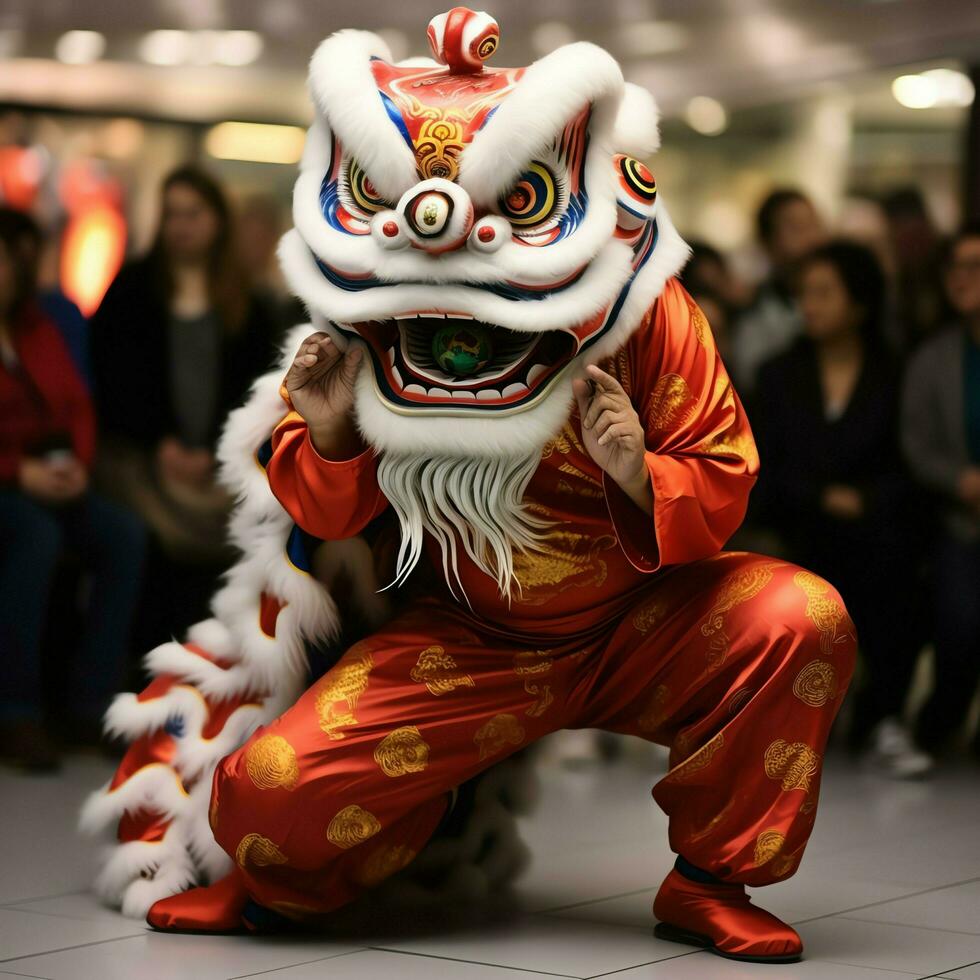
(433, 360)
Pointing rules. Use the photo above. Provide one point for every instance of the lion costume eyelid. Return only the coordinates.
(559, 178)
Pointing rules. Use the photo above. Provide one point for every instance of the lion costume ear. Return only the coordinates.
(636, 131)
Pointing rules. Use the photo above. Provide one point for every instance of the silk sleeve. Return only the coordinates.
(330, 499)
(700, 454)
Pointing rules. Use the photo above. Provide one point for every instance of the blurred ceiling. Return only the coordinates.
(744, 52)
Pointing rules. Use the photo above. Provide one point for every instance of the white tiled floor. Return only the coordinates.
(890, 888)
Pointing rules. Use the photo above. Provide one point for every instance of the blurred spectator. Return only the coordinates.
(176, 343)
(832, 480)
(916, 249)
(708, 271)
(941, 437)
(788, 227)
(260, 226)
(711, 283)
(47, 443)
(58, 308)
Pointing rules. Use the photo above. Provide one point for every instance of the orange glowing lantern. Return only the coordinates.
(91, 252)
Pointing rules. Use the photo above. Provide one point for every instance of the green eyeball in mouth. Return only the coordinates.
(461, 350)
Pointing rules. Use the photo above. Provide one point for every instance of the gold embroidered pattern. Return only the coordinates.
(653, 714)
(740, 586)
(740, 697)
(824, 610)
(671, 403)
(793, 764)
(767, 845)
(352, 825)
(649, 614)
(712, 823)
(782, 864)
(385, 862)
(270, 762)
(700, 760)
(563, 443)
(741, 445)
(699, 323)
(816, 683)
(258, 851)
(402, 751)
(436, 669)
(344, 683)
(560, 560)
(496, 734)
(563, 486)
(530, 664)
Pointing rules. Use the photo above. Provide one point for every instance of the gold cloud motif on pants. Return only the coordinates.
(402, 751)
(343, 684)
(767, 845)
(816, 684)
(270, 762)
(794, 764)
(383, 863)
(437, 670)
(351, 826)
(496, 734)
(258, 851)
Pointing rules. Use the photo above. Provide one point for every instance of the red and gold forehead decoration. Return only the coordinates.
(438, 110)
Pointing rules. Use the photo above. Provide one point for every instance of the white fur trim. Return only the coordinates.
(345, 91)
(546, 99)
(637, 128)
(594, 291)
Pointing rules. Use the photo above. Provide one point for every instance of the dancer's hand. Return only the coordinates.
(320, 383)
(612, 433)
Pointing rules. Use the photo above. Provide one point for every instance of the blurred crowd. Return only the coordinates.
(859, 363)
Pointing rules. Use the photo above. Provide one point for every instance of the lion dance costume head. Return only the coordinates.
(483, 233)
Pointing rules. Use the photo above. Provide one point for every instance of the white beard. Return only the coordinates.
(473, 500)
(461, 479)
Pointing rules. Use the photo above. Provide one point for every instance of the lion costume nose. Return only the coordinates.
(438, 215)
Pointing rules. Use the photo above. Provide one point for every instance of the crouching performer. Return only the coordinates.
(501, 360)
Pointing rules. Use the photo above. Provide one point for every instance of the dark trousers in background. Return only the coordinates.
(885, 596)
(109, 542)
(957, 640)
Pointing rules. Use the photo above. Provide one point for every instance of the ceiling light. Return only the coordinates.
(166, 47)
(255, 142)
(933, 88)
(706, 115)
(80, 47)
(237, 47)
(952, 87)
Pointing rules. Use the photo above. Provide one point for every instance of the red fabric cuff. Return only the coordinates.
(355, 465)
(635, 531)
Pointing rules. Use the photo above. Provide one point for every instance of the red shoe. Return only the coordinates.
(214, 908)
(721, 918)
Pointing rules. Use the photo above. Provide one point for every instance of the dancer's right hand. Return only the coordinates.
(320, 383)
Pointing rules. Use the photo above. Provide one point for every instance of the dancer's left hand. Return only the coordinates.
(612, 433)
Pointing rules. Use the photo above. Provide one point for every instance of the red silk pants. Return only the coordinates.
(738, 663)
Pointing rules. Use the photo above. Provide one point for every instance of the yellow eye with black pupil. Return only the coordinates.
(363, 191)
(532, 199)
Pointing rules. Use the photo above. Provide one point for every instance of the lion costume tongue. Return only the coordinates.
(508, 199)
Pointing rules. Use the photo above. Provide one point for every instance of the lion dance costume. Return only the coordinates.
(484, 233)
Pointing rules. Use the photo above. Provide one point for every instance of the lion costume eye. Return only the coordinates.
(532, 199)
(362, 191)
